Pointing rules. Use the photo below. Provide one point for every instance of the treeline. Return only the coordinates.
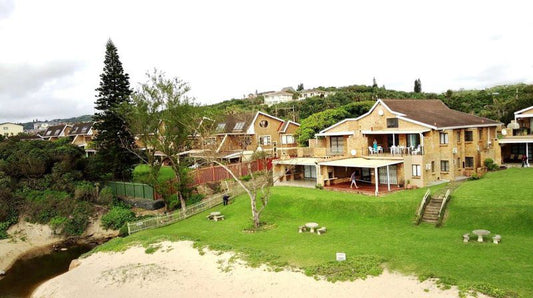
(498, 103)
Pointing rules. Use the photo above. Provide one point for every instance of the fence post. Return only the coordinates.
(213, 173)
(129, 231)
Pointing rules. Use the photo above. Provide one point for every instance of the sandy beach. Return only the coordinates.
(177, 269)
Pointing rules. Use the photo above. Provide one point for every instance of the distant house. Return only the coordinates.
(82, 134)
(304, 94)
(517, 139)
(55, 132)
(277, 97)
(9, 129)
(250, 131)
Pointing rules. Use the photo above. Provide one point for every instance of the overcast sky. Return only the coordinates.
(52, 52)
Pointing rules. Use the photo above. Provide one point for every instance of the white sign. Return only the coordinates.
(341, 256)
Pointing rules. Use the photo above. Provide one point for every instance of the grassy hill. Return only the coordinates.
(370, 228)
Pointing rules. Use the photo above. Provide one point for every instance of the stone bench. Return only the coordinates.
(322, 230)
(466, 237)
(302, 229)
(496, 239)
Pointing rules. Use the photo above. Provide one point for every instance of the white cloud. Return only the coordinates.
(229, 48)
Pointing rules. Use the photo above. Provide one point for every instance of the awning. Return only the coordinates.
(358, 162)
(516, 140)
(335, 133)
(392, 131)
(300, 161)
(244, 154)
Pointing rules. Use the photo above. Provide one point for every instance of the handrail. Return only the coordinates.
(422, 206)
(442, 205)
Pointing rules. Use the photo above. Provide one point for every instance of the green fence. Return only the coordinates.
(130, 189)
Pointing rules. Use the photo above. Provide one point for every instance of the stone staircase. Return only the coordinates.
(431, 212)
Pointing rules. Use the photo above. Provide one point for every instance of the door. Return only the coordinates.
(392, 175)
(309, 172)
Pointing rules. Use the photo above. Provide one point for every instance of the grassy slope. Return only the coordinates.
(141, 172)
(361, 225)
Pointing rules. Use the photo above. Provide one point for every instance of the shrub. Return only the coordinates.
(246, 178)
(57, 223)
(85, 191)
(491, 166)
(3, 229)
(474, 176)
(117, 217)
(79, 219)
(106, 196)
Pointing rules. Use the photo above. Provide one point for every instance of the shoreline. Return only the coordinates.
(176, 268)
(28, 240)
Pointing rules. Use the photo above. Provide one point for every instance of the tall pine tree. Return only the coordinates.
(112, 133)
(418, 86)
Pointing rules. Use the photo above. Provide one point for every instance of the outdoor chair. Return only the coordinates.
(321, 231)
(371, 150)
(380, 149)
(496, 239)
(466, 237)
(416, 151)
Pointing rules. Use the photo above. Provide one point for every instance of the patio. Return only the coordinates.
(365, 188)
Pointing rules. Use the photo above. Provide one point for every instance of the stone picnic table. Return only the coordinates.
(480, 234)
(312, 226)
(216, 216)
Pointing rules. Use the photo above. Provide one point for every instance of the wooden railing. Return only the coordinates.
(163, 220)
(423, 204)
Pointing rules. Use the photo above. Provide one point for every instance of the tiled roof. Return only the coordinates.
(80, 128)
(435, 113)
(53, 131)
(236, 123)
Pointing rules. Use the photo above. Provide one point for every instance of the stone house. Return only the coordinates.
(397, 143)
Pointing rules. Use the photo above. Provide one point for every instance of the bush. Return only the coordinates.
(85, 191)
(106, 196)
(246, 178)
(117, 217)
(3, 229)
(491, 166)
(474, 177)
(57, 224)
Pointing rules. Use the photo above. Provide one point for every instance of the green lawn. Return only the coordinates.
(358, 225)
(141, 172)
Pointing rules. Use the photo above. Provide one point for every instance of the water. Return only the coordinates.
(28, 273)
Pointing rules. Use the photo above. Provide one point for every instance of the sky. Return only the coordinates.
(52, 52)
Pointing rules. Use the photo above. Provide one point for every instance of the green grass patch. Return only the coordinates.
(373, 231)
(142, 172)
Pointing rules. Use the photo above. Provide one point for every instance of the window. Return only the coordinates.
(58, 131)
(413, 140)
(84, 129)
(48, 132)
(459, 137)
(392, 122)
(221, 126)
(443, 138)
(287, 139)
(263, 123)
(6, 128)
(458, 163)
(337, 144)
(238, 126)
(416, 170)
(469, 136)
(432, 166)
(264, 140)
(469, 162)
(444, 166)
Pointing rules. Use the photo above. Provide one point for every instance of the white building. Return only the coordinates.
(312, 93)
(10, 129)
(277, 97)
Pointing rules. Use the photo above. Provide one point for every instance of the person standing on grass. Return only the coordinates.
(524, 161)
(352, 180)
